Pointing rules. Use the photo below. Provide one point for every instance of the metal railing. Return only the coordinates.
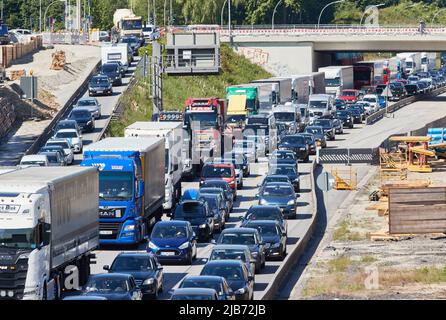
(51, 38)
(194, 61)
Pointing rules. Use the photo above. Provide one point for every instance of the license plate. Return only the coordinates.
(167, 253)
(100, 91)
(105, 232)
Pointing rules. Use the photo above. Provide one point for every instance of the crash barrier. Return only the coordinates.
(11, 52)
(299, 248)
(402, 103)
(51, 38)
(348, 156)
(47, 133)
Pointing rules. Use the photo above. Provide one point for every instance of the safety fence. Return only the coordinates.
(52, 38)
(348, 156)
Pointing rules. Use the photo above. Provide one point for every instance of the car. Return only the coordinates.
(57, 149)
(380, 89)
(311, 141)
(238, 169)
(199, 215)
(113, 72)
(337, 123)
(350, 95)
(283, 157)
(133, 42)
(424, 86)
(104, 36)
(328, 126)
(91, 104)
(248, 148)
(340, 104)
(259, 141)
(287, 170)
(122, 69)
(73, 137)
(356, 115)
(40, 160)
(249, 237)
(234, 252)
(298, 145)
(67, 124)
(217, 206)
(373, 99)
(84, 298)
(236, 274)
(113, 286)
(84, 119)
(217, 191)
(67, 148)
(220, 171)
(222, 185)
(382, 102)
(240, 159)
(397, 89)
(368, 108)
(318, 133)
(413, 79)
(100, 85)
(194, 294)
(272, 234)
(266, 212)
(274, 178)
(145, 269)
(346, 118)
(54, 159)
(279, 194)
(173, 241)
(412, 89)
(219, 284)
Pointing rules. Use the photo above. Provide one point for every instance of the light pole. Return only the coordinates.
(165, 4)
(229, 21)
(222, 12)
(46, 11)
(274, 13)
(438, 12)
(323, 9)
(368, 9)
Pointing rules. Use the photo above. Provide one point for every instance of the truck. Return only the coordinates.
(172, 132)
(428, 61)
(126, 23)
(48, 230)
(288, 118)
(116, 52)
(4, 34)
(317, 83)
(368, 73)
(412, 62)
(301, 88)
(391, 70)
(281, 89)
(337, 78)
(131, 187)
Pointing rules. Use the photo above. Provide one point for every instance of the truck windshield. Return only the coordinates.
(316, 104)
(203, 121)
(18, 238)
(115, 186)
(336, 82)
(132, 25)
(285, 116)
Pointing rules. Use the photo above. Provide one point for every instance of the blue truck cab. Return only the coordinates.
(131, 187)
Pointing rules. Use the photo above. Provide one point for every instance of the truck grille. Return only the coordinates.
(109, 231)
(14, 280)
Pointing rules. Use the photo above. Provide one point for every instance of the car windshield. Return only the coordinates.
(80, 114)
(230, 273)
(212, 201)
(277, 191)
(314, 130)
(129, 40)
(370, 99)
(132, 24)
(123, 264)
(322, 123)
(314, 104)
(294, 140)
(264, 214)
(348, 93)
(190, 211)
(217, 172)
(342, 114)
(65, 125)
(275, 179)
(192, 297)
(336, 82)
(86, 103)
(238, 238)
(168, 232)
(17, 238)
(284, 155)
(255, 129)
(110, 68)
(107, 285)
(264, 229)
(308, 139)
(285, 116)
(66, 135)
(99, 81)
(228, 254)
(217, 286)
(52, 158)
(115, 186)
(282, 170)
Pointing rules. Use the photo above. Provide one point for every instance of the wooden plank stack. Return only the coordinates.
(11, 52)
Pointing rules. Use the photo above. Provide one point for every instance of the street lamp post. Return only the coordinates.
(274, 13)
(46, 11)
(323, 9)
(222, 12)
(368, 9)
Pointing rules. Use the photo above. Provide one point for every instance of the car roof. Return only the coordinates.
(219, 164)
(88, 99)
(204, 278)
(192, 291)
(67, 121)
(67, 130)
(227, 262)
(35, 157)
(173, 222)
(204, 189)
(239, 230)
(282, 176)
(231, 246)
(89, 298)
(111, 275)
(257, 206)
(215, 181)
(135, 254)
(277, 184)
(99, 76)
(260, 222)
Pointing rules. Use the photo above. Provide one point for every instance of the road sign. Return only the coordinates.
(387, 92)
(325, 181)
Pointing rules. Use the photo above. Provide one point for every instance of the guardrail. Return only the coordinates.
(63, 112)
(401, 104)
(293, 257)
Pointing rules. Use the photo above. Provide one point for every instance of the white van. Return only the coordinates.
(116, 52)
(321, 105)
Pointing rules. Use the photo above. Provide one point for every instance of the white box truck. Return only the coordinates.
(428, 61)
(116, 52)
(48, 226)
(281, 89)
(172, 132)
(301, 89)
(412, 62)
(337, 78)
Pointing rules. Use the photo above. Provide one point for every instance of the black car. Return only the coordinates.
(194, 294)
(319, 135)
(356, 114)
(273, 213)
(236, 274)
(67, 124)
(133, 42)
(218, 207)
(84, 119)
(397, 89)
(287, 170)
(223, 185)
(113, 72)
(328, 126)
(198, 214)
(274, 178)
(311, 140)
(283, 157)
(298, 145)
(113, 286)
(145, 269)
(219, 284)
(340, 104)
(57, 149)
(412, 89)
(100, 85)
(272, 234)
(240, 159)
(346, 118)
(281, 195)
(234, 252)
(248, 237)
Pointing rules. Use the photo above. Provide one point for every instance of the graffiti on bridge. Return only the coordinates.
(257, 56)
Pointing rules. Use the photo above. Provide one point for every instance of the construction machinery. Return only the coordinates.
(418, 151)
(345, 179)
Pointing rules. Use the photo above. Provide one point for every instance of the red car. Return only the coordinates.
(349, 95)
(220, 171)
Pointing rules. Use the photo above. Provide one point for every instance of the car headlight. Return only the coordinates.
(89, 122)
(130, 227)
(184, 246)
(153, 246)
(241, 291)
(202, 226)
(302, 149)
(291, 203)
(149, 281)
(263, 202)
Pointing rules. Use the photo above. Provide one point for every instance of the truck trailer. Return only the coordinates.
(48, 228)
(172, 132)
(281, 89)
(368, 73)
(131, 186)
(428, 61)
(116, 52)
(337, 79)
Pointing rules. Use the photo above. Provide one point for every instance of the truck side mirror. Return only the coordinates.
(46, 234)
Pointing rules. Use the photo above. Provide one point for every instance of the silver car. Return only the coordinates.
(67, 147)
(92, 104)
(248, 148)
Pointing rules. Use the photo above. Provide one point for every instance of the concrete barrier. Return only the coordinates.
(299, 248)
